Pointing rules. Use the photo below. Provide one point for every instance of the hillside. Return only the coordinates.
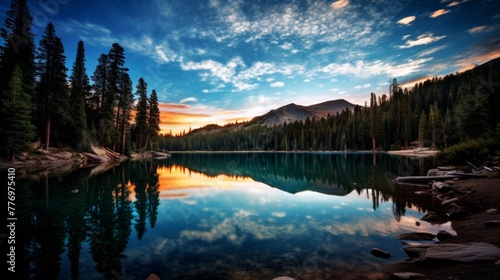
(293, 112)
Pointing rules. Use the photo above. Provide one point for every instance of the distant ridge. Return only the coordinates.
(293, 112)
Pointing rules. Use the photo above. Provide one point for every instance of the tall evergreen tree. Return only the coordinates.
(18, 130)
(18, 50)
(79, 89)
(126, 104)
(141, 117)
(100, 79)
(51, 89)
(154, 117)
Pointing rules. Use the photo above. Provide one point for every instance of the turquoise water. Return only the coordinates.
(218, 216)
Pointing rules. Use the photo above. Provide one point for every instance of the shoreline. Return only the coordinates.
(477, 198)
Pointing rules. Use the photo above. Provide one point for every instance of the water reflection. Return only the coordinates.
(197, 216)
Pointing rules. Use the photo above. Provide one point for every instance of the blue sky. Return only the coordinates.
(217, 61)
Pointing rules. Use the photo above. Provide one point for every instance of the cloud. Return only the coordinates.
(439, 12)
(454, 3)
(279, 214)
(278, 84)
(430, 51)
(340, 4)
(362, 69)
(477, 29)
(363, 86)
(406, 20)
(188, 99)
(423, 39)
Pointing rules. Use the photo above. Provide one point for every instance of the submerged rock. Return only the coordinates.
(380, 253)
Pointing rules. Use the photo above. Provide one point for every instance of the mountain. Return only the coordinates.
(293, 112)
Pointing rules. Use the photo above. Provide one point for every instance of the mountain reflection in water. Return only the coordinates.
(218, 216)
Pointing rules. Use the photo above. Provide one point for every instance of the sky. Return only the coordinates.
(220, 61)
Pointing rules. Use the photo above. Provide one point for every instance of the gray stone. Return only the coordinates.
(492, 224)
(380, 253)
(441, 187)
(407, 275)
(417, 236)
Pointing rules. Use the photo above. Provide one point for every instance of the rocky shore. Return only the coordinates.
(58, 161)
(472, 206)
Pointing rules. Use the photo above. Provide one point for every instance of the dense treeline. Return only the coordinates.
(436, 113)
(38, 102)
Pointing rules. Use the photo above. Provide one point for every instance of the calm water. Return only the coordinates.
(217, 216)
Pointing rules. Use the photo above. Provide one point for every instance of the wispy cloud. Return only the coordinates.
(362, 69)
(188, 99)
(452, 4)
(477, 29)
(407, 20)
(439, 12)
(340, 4)
(430, 51)
(423, 39)
(363, 86)
(278, 84)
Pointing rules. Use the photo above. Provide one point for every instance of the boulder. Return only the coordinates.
(446, 168)
(407, 275)
(435, 172)
(443, 235)
(418, 236)
(380, 253)
(63, 155)
(95, 158)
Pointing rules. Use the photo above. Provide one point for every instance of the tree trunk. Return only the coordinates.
(47, 133)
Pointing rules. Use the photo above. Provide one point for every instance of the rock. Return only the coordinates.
(492, 224)
(434, 218)
(435, 172)
(417, 223)
(380, 253)
(449, 201)
(492, 211)
(95, 158)
(443, 235)
(415, 251)
(407, 275)
(51, 158)
(283, 278)
(63, 155)
(441, 187)
(457, 214)
(74, 191)
(449, 182)
(153, 277)
(467, 252)
(418, 236)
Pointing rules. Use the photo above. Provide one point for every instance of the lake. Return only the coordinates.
(219, 216)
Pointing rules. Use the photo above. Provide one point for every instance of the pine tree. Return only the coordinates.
(18, 130)
(100, 79)
(154, 117)
(141, 117)
(51, 89)
(79, 89)
(18, 50)
(125, 106)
